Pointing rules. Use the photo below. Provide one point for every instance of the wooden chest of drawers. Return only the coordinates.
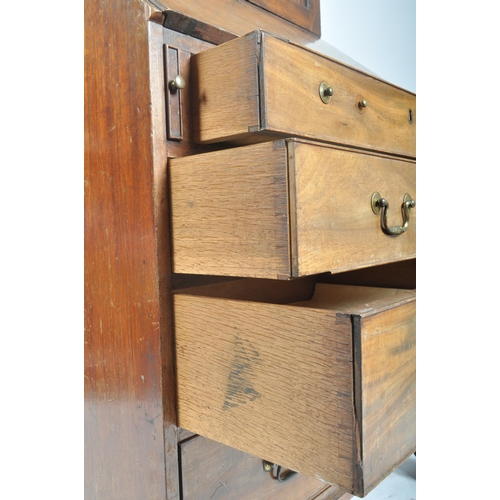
(324, 386)
(260, 87)
(286, 209)
(322, 383)
(318, 383)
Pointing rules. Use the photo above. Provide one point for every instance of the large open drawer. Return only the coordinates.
(324, 386)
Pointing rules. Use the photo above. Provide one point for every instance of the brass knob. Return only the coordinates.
(363, 103)
(325, 92)
(177, 83)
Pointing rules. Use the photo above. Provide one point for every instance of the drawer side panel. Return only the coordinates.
(229, 213)
(387, 346)
(274, 381)
(226, 90)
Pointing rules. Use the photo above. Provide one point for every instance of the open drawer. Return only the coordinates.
(324, 386)
(260, 87)
(213, 471)
(289, 208)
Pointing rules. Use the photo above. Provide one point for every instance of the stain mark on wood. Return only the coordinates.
(239, 388)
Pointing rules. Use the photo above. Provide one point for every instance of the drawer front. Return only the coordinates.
(333, 226)
(213, 471)
(287, 209)
(325, 387)
(272, 88)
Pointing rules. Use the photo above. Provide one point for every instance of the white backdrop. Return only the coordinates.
(379, 34)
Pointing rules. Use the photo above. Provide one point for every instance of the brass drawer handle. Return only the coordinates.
(268, 466)
(325, 92)
(381, 205)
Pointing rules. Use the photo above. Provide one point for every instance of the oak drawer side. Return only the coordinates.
(229, 213)
(226, 95)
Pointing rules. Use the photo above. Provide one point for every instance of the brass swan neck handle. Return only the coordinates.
(381, 205)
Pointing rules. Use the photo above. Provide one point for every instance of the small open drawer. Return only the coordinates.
(260, 87)
(324, 386)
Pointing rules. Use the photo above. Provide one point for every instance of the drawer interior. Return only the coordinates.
(211, 471)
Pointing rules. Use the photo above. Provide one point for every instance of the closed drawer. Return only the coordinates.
(213, 471)
(286, 209)
(324, 386)
(259, 86)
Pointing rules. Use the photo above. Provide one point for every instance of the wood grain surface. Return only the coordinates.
(330, 494)
(386, 368)
(333, 227)
(303, 13)
(213, 471)
(160, 151)
(286, 383)
(355, 300)
(287, 91)
(124, 414)
(239, 17)
(257, 290)
(195, 28)
(290, 97)
(287, 209)
(402, 274)
(255, 377)
(230, 213)
(226, 90)
(130, 408)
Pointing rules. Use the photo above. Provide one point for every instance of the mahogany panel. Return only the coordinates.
(303, 13)
(195, 28)
(238, 17)
(124, 445)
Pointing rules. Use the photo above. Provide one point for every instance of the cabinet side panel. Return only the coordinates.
(230, 214)
(271, 380)
(388, 391)
(226, 90)
(124, 446)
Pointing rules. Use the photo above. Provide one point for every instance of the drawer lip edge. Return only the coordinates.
(405, 296)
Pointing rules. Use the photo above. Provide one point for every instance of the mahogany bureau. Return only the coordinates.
(250, 257)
